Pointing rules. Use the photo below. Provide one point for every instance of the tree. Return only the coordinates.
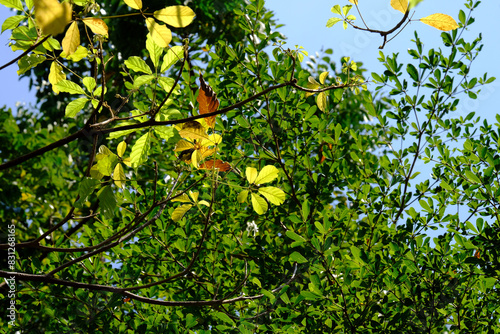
(245, 192)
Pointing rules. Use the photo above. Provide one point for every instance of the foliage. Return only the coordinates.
(257, 195)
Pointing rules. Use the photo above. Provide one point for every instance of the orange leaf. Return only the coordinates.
(207, 99)
(219, 164)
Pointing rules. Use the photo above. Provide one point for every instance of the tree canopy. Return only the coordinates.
(186, 171)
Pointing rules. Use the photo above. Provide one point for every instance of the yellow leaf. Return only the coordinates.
(135, 4)
(160, 34)
(259, 204)
(71, 40)
(194, 195)
(97, 26)
(180, 212)
(251, 174)
(56, 74)
(312, 84)
(440, 21)
(196, 158)
(176, 16)
(119, 176)
(193, 130)
(183, 145)
(321, 101)
(121, 148)
(127, 162)
(322, 77)
(401, 5)
(51, 16)
(184, 198)
(266, 174)
(273, 195)
(354, 1)
(80, 53)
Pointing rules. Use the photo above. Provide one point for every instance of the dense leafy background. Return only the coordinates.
(347, 251)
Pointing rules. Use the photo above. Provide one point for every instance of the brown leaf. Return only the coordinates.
(218, 164)
(207, 99)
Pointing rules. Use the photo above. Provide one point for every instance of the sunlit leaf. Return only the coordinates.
(140, 150)
(89, 83)
(155, 51)
(194, 195)
(56, 74)
(183, 145)
(322, 77)
(97, 26)
(354, 1)
(251, 174)
(12, 22)
(176, 16)
(80, 53)
(122, 146)
(28, 62)
(207, 100)
(193, 130)
(266, 174)
(259, 204)
(440, 21)
(16, 4)
(274, 195)
(160, 34)
(135, 4)
(401, 5)
(75, 106)
(332, 21)
(184, 198)
(135, 63)
(173, 55)
(119, 176)
(71, 40)
(69, 87)
(51, 16)
(321, 101)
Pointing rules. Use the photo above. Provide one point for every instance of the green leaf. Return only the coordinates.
(297, 257)
(294, 236)
(180, 211)
(75, 106)
(274, 195)
(69, 87)
(85, 189)
(259, 204)
(140, 150)
(135, 63)
(225, 318)
(89, 83)
(107, 202)
(155, 51)
(266, 174)
(336, 10)
(242, 196)
(12, 22)
(28, 62)
(164, 132)
(332, 21)
(472, 177)
(16, 4)
(143, 80)
(173, 55)
(191, 321)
